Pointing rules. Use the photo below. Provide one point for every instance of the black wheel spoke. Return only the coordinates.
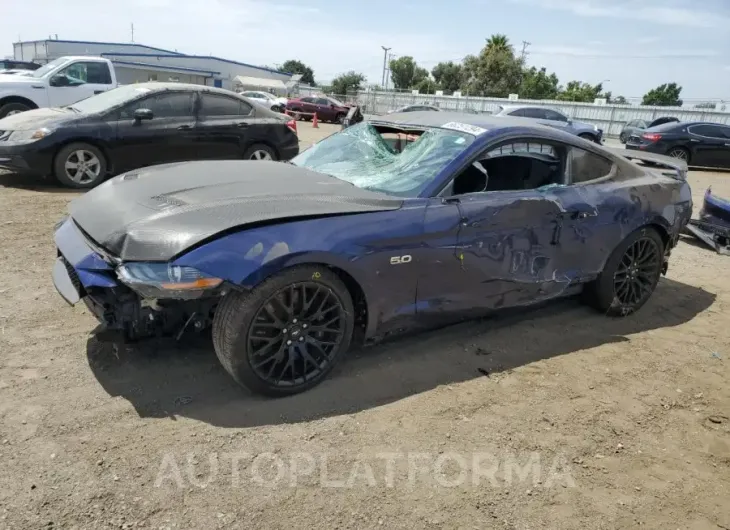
(296, 333)
(637, 272)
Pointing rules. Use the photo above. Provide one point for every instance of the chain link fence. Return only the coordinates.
(609, 117)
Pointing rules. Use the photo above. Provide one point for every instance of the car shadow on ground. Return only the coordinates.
(167, 379)
(33, 183)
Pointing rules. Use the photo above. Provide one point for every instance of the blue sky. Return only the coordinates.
(636, 44)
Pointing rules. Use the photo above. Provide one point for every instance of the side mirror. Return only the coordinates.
(59, 81)
(143, 114)
(332, 105)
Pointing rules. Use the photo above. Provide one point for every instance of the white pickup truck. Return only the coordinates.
(61, 82)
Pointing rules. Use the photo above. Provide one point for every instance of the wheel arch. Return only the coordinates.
(18, 99)
(351, 278)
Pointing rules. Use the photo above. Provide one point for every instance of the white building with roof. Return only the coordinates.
(137, 63)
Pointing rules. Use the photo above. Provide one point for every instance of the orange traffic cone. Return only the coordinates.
(315, 123)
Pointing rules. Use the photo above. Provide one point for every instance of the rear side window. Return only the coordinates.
(215, 105)
(584, 166)
(710, 131)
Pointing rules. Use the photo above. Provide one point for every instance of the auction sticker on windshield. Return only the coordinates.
(464, 127)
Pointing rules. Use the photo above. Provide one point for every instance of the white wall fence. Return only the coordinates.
(610, 118)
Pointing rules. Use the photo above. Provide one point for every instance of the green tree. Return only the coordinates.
(620, 100)
(494, 72)
(421, 74)
(583, 92)
(427, 86)
(347, 82)
(666, 95)
(403, 72)
(499, 43)
(297, 67)
(537, 84)
(447, 76)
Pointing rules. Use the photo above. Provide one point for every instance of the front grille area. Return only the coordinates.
(72, 274)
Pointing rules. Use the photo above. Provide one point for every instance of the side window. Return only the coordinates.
(535, 113)
(554, 116)
(709, 131)
(308, 100)
(169, 105)
(525, 165)
(88, 72)
(519, 113)
(584, 166)
(323, 101)
(216, 105)
(725, 131)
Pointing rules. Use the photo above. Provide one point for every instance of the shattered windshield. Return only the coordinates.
(364, 157)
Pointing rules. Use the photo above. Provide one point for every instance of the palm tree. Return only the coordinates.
(498, 43)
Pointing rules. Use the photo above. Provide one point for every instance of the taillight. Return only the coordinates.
(652, 137)
(292, 124)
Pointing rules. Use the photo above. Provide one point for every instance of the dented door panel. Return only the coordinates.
(506, 245)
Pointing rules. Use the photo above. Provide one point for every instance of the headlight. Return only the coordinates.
(154, 280)
(29, 135)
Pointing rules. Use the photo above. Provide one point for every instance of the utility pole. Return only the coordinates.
(385, 62)
(524, 54)
(391, 56)
(132, 26)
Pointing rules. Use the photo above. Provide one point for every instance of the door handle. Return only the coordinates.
(577, 215)
(37, 86)
(184, 128)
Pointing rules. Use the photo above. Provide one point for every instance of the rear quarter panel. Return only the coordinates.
(361, 245)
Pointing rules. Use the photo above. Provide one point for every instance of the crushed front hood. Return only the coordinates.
(156, 213)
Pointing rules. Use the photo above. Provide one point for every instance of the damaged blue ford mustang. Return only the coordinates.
(411, 220)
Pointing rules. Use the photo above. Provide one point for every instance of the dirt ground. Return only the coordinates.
(557, 417)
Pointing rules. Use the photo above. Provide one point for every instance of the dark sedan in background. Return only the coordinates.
(140, 125)
(697, 143)
(327, 108)
(635, 127)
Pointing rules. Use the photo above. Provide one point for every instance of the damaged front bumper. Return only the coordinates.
(127, 311)
(713, 225)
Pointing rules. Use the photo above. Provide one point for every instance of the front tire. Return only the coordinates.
(80, 165)
(623, 138)
(630, 275)
(587, 136)
(286, 335)
(13, 108)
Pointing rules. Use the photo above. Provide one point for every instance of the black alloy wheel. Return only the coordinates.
(295, 334)
(637, 272)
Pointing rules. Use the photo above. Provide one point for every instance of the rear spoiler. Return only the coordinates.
(680, 166)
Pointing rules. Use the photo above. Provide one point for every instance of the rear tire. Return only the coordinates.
(260, 152)
(13, 108)
(679, 152)
(629, 276)
(80, 165)
(298, 320)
